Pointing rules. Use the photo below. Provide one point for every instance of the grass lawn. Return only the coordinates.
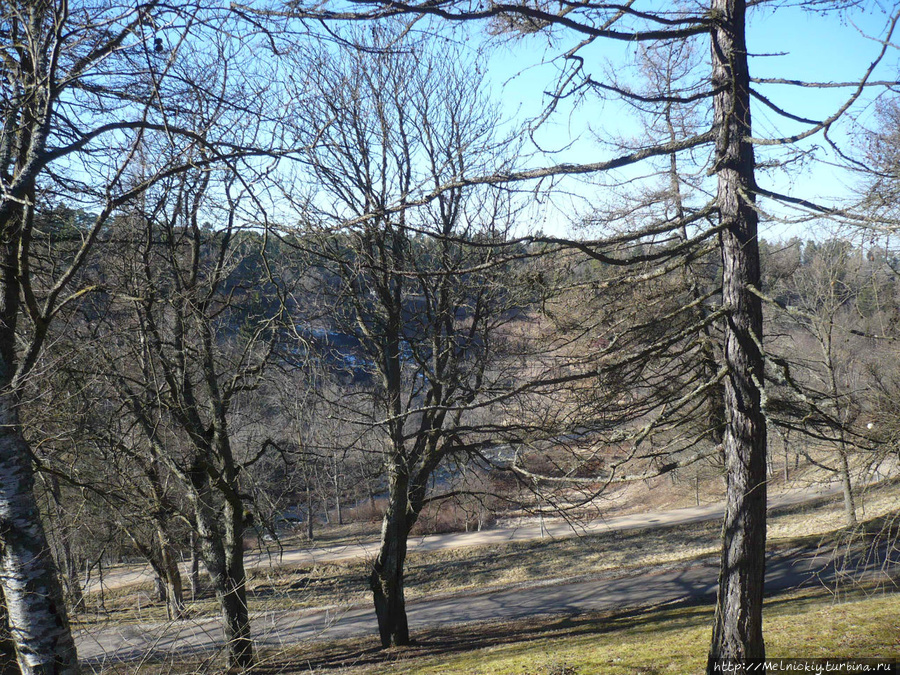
(663, 640)
(671, 639)
(480, 568)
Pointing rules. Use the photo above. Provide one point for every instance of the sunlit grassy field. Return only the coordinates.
(860, 620)
(484, 568)
(672, 640)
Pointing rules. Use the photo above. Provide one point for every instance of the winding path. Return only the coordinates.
(663, 584)
(125, 576)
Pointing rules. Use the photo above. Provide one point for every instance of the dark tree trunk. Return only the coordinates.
(223, 555)
(737, 633)
(310, 534)
(386, 579)
(159, 587)
(238, 614)
(226, 571)
(71, 574)
(195, 566)
(372, 504)
(232, 595)
(337, 491)
(71, 577)
(171, 577)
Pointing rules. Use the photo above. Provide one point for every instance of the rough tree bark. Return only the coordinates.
(8, 663)
(71, 573)
(34, 597)
(223, 556)
(36, 609)
(737, 632)
(386, 579)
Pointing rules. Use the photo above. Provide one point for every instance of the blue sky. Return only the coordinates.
(789, 42)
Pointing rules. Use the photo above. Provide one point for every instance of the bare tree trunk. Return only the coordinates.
(167, 578)
(195, 567)
(386, 580)
(239, 613)
(159, 587)
(100, 586)
(71, 577)
(337, 491)
(310, 535)
(8, 663)
(224, 559)
(171, 590)
(324, 500)
(70, 565)
(737, 633)
(34, 598)
(174, 587)
(784, 443)
(229, 583)
(839, 403)
(847, 486)
(371, 492)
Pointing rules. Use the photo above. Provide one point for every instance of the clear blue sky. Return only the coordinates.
(790, 43)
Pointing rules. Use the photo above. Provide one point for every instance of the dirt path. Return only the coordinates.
(122, 576)
(273, 629)
(276, 629)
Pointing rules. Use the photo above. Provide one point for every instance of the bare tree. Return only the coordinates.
(420, 297)
(824, 293)
(731, 142)
(881, 160)
(185, 338)
(81, 86)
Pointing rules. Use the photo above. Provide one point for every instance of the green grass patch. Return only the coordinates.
(810, 623)
(665, 640)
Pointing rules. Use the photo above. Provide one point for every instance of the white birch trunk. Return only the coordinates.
(37, 613)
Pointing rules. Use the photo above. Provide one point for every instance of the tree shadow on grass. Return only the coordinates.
(448, 641)
(444, 641)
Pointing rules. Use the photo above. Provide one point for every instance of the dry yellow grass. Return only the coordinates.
(454, 571)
